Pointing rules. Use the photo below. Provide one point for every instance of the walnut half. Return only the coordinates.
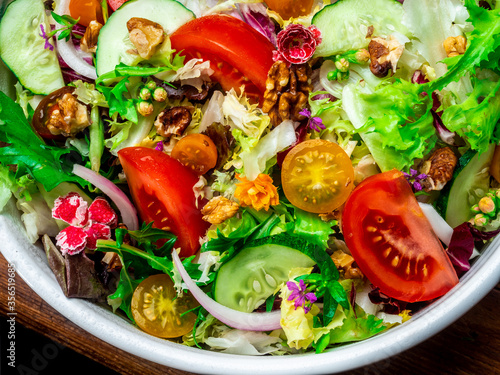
(89, 40)
(145, 35)
(219, 209)
(69, 118)
(287, 91)
(173, 121)
(384, 55)
(438, 168)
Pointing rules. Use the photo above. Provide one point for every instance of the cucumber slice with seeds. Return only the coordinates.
(344, 24)
(247, 280)
(114, 45)
(22, 47)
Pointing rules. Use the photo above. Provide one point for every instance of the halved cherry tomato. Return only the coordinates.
(290, 8)
(158, 311)
(162, 190)
(86, 10)
(238, 54)
(44, 110)
(115, 4)
(392, 241)
(317, 176)
(197, 152)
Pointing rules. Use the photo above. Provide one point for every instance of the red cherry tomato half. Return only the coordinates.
(115, 4)
(162, 190)
(392, 241)
(238, 54)
(86, 10)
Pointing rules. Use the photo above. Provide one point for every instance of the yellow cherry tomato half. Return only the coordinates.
(197, 152)
(317, 176)
(158, 311)
(290, 8)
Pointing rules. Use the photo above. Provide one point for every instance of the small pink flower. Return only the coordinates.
(296, 44)
(87, 224)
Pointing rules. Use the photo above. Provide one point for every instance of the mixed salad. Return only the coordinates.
(254, 177)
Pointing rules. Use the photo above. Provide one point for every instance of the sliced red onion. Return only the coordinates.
(257, 321)
(69, 54)
(439, 225)
(126, 208)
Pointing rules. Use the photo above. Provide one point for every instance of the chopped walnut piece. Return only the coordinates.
(455, 45)
(344, 262)
(70, 118)
(173, 121)
(89, 40)
(369, 31)
(112, 261)
(384, 55)
(287, 91)
(219, 209)
(439, 169)
(145, 35)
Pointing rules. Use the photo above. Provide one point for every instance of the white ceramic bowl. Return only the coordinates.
(32, 266)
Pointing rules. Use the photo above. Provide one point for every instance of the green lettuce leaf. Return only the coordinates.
(475, 119)
(483, 51)
(395, 122)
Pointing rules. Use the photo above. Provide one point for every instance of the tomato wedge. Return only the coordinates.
(392, 241)
(238, 54)
(162, 190)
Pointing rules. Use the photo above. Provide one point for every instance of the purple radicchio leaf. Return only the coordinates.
(330, 97)
(461, 247)
(419, 77)
(352, 299)
(391, 305)
(445, 135)
(479, 235)
(256, 16)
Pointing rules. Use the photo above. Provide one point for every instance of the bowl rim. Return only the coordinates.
(31, 264)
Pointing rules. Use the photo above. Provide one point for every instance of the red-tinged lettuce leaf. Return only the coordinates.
(81, 278)
(76, 274)
(56, 262)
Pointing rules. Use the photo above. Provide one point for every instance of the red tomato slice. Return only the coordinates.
(238, 54)
(162, 190)
(392, 241)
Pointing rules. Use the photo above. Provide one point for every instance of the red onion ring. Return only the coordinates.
(126, 208)
(257, 321)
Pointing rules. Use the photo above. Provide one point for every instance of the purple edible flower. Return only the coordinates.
(315, 123)
(300, 295)
(414, 179)
(44, 36)
(159, 146)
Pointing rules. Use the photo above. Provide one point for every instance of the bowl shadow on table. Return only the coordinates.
(36, 354)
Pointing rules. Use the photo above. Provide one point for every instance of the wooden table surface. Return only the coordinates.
(470, 346)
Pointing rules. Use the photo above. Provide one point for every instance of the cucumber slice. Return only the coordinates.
(344, 24)
(248, 279)
(471, 181)
(114, 41)
(22, 47)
